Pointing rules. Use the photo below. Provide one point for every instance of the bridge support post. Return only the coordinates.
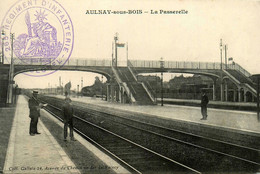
(245, 98)
(108, 92)
(239, 95)
(117, 90)
(234, 95)
(226, 91)
(214, 90)
(221, 91)
(112, 93)
(123, 96)
(121, 91)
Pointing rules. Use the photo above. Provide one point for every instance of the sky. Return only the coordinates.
(178, 37)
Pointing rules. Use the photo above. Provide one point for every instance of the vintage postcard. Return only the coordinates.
(148, 86)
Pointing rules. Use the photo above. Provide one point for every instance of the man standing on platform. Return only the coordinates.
(204, 103)
(34, 107)
(67, 112)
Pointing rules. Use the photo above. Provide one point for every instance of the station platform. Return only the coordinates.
(245, 121)
(42, 153)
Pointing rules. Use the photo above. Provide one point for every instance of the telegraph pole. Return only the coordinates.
(11, 74)
(161, 66)
(112, 53)
(221, 73)
(116, 39)
(12, 65)
(127, 53)
(226, 56)
(221, 54)
(257, 97)
(161, 88)
(3, 33)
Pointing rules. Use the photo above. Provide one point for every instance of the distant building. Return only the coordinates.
(180, 87)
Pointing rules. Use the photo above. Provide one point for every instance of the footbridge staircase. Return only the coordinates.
(137, 92)
(241, 78)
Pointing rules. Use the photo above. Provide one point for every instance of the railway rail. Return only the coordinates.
(148, 148)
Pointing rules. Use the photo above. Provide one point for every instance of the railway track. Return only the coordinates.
(133, 156)
(147, 148)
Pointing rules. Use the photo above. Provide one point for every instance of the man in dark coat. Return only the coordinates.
(204, 103)
(67, 111)
(34, 113)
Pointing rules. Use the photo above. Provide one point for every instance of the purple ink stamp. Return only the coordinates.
(44, 34)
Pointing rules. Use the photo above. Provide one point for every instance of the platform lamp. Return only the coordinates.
(3, 34)
(162, 68)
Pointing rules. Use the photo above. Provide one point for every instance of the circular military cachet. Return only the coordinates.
(43, 35)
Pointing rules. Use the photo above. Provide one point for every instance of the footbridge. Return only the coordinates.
(231, 81)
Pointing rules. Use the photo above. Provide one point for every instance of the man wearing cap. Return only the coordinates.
(34, 107)
(67, 112)
(204, 103)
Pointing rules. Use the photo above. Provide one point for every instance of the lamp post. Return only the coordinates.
(221, 47)
(102, 87)
(162, 67)
(77, 91)
(156, 87)
(81, 86)
(256, 78)
(226, 47)
(12, 65)
(3, 34)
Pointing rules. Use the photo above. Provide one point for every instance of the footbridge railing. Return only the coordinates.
(136, 63)
(239, 68)
(188, 65)
(64, 62)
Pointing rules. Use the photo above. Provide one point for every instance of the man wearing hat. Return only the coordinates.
(34, 107)
(67, 112)
(204, 103)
